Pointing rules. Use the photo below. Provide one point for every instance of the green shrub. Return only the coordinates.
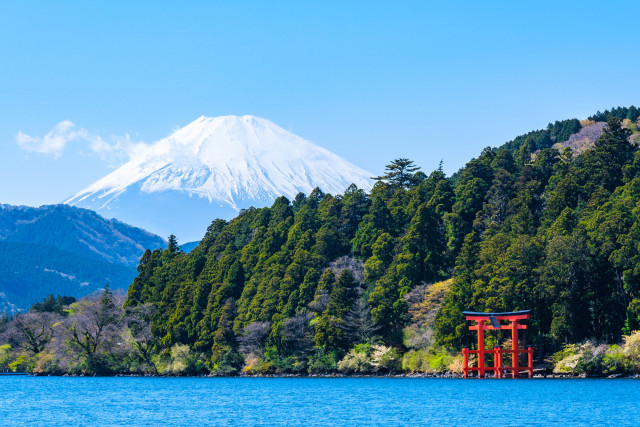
(416, 361)
(614, 361)
(431, 360)
(356, 362)
(5, 355)
(48, 362)
(225, 360)
(631, 351)
(322, 362)
(386, 359)
(586, 358)
(365, 348)
(566, 360)
(182, 361)
(20, 364)
(440, 362)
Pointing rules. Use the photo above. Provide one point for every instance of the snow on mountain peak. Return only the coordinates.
(229, 161)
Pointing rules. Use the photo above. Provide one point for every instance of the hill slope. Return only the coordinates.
(65, 250)
(299, 286)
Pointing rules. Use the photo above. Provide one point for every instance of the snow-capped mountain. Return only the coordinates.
(212, 168)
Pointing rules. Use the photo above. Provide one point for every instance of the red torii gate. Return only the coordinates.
(480, 326)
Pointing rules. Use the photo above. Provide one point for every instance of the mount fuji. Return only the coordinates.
(212, 168)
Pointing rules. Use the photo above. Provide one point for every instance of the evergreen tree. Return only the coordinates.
(173, 246)
(330, 331)
(611, 153)
(399, 173)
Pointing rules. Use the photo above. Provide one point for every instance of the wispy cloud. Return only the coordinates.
(54, 142)
(115, 150)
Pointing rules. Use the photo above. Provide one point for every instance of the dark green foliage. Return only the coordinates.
(561, 131)
(400, 173)
(549, 232)
(173, 247)
(330, 333)
(612, 152)
(540, 139)
(53, 304)
(271, 267)
(632, 113)
(559, 242)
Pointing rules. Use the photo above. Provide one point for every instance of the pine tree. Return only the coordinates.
(611, 153)
(399, 173)
(173, 247)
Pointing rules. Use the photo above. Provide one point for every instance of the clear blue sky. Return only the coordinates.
(369, 80)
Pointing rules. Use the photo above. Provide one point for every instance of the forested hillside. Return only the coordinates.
(377, 282)
(64, 250)
(299, 285)
(30, 272)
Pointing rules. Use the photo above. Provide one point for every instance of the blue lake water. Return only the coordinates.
(53, 401)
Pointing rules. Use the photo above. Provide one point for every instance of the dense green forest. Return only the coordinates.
(557, 234)
(377, 282)
(632, 113)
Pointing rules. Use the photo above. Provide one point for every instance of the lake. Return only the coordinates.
(53, 401)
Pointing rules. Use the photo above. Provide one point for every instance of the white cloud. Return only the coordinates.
(114, 151)
(53, 142)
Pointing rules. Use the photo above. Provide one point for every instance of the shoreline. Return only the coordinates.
(329, 375)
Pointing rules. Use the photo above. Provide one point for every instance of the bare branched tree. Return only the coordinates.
(94, 330)
(424, 301)
(138, 321)
(254, 339)
(320, 302)
(32, 331)
(298, 331)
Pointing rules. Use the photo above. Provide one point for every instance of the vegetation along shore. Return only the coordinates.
(376, 283)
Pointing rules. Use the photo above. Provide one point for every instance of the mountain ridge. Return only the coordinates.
(49, 225)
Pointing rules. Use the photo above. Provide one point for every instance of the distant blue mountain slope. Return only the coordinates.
(65, 250)
(189, 246)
